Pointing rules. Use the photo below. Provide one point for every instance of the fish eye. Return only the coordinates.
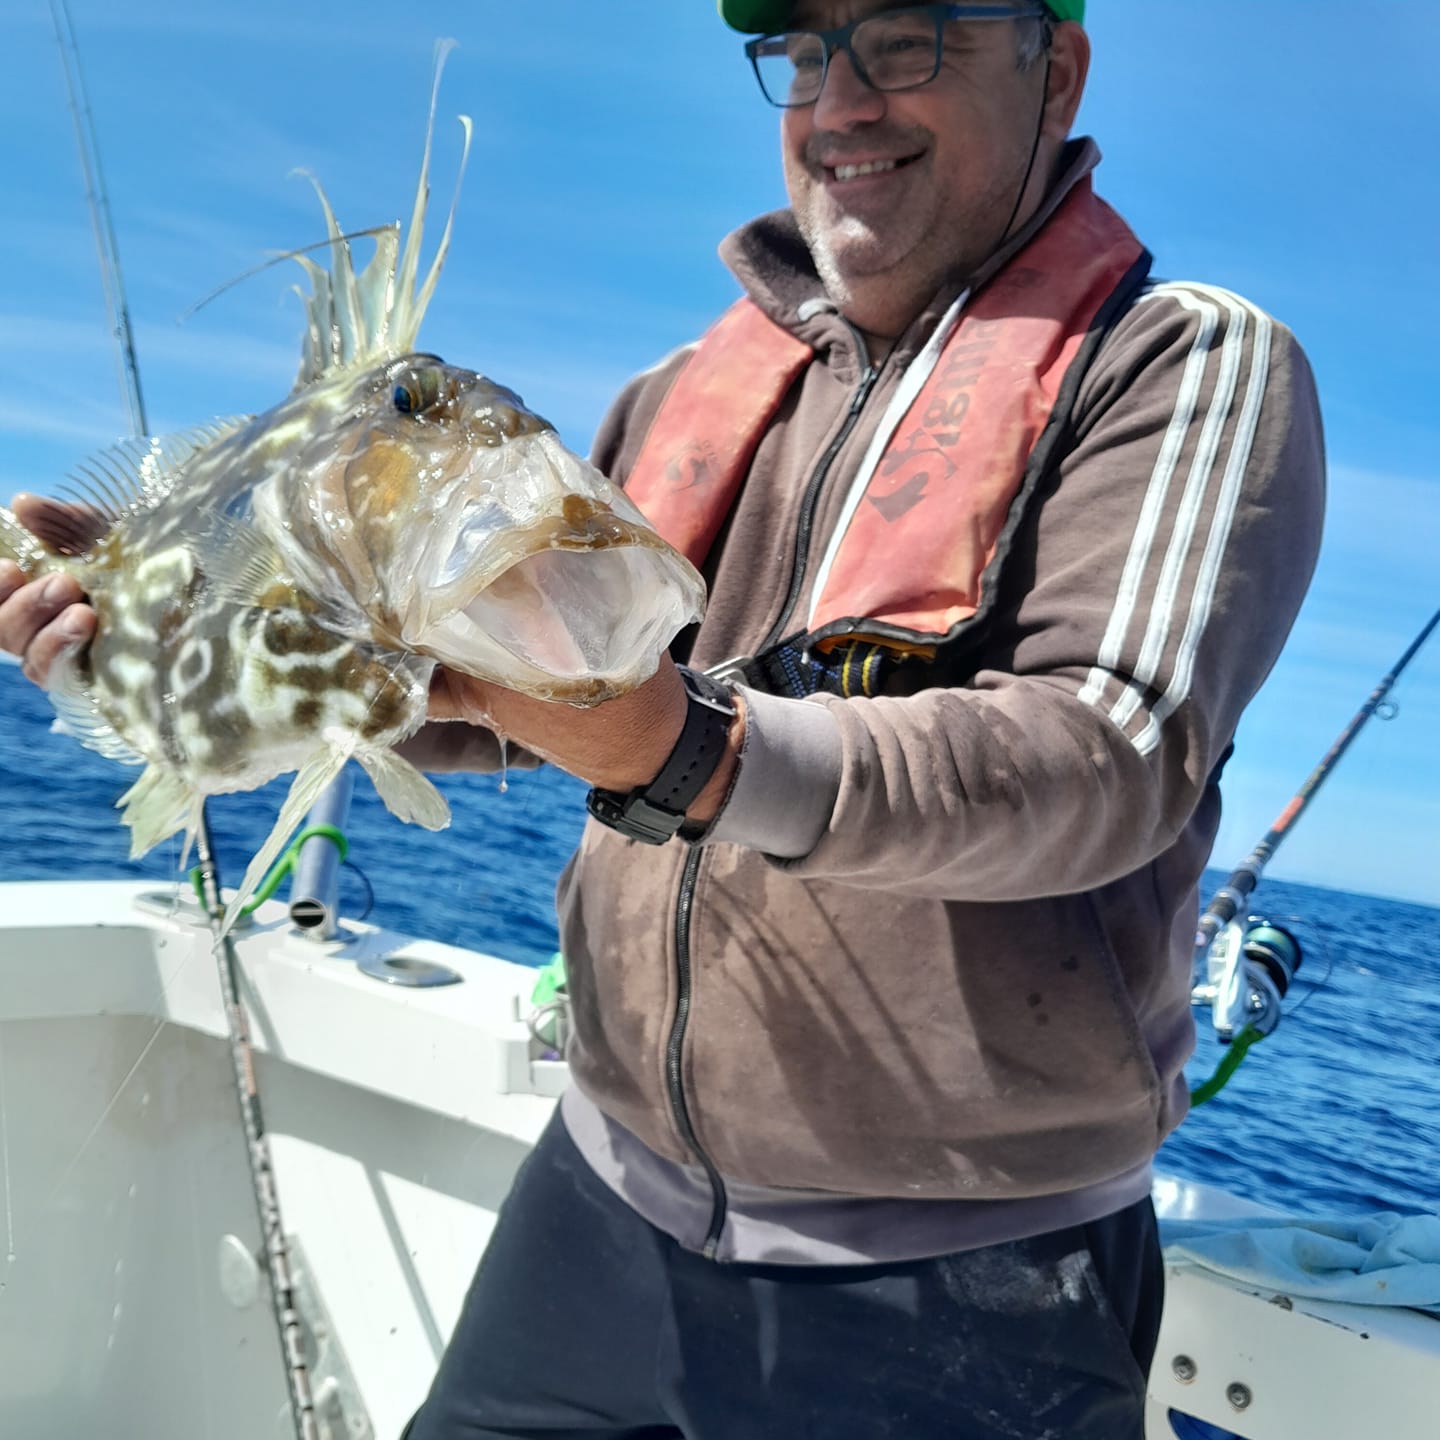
(418, 392)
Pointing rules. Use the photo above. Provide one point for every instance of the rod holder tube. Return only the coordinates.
(315, 888)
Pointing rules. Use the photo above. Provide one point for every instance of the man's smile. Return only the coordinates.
(846, 171)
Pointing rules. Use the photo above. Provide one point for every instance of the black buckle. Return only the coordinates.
(633, 816)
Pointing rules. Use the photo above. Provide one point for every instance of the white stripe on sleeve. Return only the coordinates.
(1247, 337)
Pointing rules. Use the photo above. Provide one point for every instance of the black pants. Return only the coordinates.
(584, 1320)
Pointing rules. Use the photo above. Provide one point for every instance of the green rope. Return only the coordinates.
(1227, 1066)
(283, 866)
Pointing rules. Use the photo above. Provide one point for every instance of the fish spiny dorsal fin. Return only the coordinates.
(353, 321)
(136, 475)
(347, 318)
(318, 354)
(405, 321)
(377, 283)
(422, 300)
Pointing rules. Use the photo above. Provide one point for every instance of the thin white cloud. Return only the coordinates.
(1393, 517)
(40, 340)
(86, 431)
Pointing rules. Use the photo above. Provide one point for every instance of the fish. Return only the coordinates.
(274, 592)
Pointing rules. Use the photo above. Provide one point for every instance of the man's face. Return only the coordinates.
(951, 157)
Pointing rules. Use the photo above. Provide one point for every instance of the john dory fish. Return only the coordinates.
(274, 593)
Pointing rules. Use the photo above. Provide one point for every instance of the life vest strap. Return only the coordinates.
(700, 445)
(796, 668)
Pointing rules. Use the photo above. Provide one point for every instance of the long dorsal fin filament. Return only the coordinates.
(359, 320)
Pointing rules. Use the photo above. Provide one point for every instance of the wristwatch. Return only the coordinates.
(654, 812)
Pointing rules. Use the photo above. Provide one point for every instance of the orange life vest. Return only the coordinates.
(917, 552)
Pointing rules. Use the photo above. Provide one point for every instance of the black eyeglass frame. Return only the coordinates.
(839, 39)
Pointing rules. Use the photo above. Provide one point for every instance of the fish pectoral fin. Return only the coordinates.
(407, 794)
(79, 713)
(238, 562)
(313, 776)
(157, 805)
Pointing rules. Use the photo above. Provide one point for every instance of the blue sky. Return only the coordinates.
(1269, 148)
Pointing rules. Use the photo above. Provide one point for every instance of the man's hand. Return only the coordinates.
(617, 745)
(39, 621)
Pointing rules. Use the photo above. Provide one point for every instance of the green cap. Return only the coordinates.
(760, 17)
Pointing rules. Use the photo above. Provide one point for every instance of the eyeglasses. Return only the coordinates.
(892, 50)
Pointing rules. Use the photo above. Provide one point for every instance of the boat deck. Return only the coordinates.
(131, 1301)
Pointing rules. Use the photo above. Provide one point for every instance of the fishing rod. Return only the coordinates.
(1243, 879)
(106, 250)
(242, 1054)
(1248, 968)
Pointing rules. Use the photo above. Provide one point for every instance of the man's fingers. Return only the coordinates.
(11, 579)
(74, 628)
(26, 609)
(70, 529)
(41, 619)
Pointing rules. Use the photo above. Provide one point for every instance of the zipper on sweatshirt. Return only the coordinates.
(674, 1050)
(685, 901)
(805, 525)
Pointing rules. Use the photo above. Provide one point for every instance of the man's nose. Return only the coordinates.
(846, 99)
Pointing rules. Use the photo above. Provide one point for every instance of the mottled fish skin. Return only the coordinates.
(224, 689)
(274, 593)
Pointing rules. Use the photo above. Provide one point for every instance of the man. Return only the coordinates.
(875, 1045)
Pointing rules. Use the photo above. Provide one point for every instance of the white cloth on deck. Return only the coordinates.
(1380, 1259)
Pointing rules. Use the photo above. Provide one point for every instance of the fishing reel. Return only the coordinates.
(1249, 968)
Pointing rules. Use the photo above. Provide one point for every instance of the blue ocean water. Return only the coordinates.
(1337, 1112)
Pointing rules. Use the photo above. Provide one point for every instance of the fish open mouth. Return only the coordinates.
(530, 570)
(574, 615)
(582, 611)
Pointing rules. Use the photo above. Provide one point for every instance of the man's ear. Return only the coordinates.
(1069, 66)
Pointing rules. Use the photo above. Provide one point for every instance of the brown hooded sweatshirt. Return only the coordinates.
(925, 983)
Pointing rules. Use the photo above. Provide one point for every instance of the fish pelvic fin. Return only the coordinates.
(159, 804)
(358, 319)
(313, 776)
(407, 794)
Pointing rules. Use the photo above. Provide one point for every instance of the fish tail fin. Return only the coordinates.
(18, 544)
(314, 775)
(407, 794)
(157, 805)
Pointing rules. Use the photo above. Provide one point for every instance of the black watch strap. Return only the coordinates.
(654, 812)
